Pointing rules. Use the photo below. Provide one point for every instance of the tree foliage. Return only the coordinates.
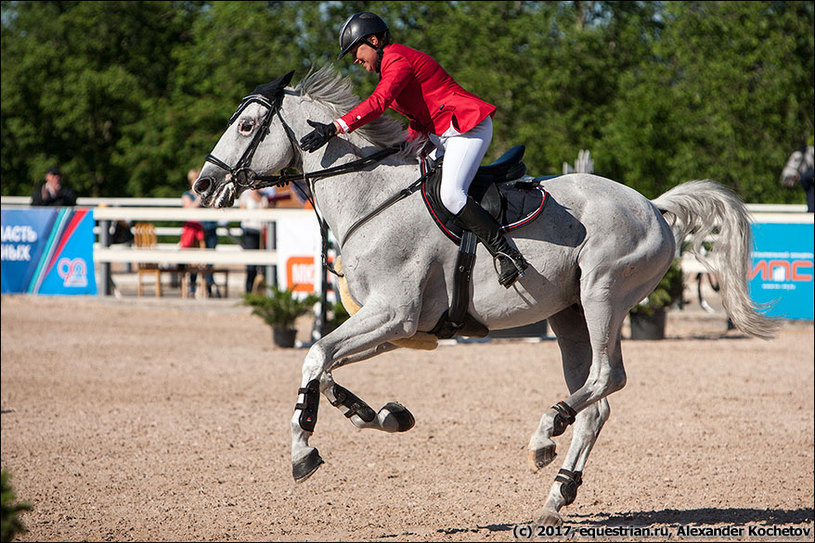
(11, 522)
(127, 96)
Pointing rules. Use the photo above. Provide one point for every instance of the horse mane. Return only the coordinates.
(329, 88)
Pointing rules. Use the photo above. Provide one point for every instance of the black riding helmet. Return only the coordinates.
(358, 27)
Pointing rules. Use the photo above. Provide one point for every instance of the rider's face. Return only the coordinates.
(365, 55)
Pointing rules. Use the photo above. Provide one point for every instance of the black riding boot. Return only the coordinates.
(474, 218)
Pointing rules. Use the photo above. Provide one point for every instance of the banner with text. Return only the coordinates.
(781, 271)
(298, 254)
(47, 251)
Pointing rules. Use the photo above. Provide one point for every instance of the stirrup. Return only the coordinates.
(507, 279)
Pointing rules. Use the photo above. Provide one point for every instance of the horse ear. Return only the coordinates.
(275, 88)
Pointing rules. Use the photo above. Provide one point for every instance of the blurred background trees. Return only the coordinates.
(128, 96)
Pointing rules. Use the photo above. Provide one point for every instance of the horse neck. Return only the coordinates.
(344, 199)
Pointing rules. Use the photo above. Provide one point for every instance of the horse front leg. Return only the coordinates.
(392, 417)
(374, 325)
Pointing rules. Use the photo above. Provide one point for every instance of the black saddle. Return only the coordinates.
(512, 204)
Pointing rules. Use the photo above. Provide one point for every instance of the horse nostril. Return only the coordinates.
(202, 185)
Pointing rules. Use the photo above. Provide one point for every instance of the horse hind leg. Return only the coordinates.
(603, 322)
(587, 428)
(573, 339)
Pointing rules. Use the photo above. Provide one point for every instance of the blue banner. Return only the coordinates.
(47, 251)
(781, 271)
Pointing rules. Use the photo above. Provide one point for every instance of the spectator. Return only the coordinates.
(252, 230)
(800, 170)
(290, 197)
(193, 233)
(808, 184)
(807, 177)
(53, 192)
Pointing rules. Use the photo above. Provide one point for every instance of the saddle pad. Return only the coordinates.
(513, 204)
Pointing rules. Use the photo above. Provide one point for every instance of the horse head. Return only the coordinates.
(235, 163)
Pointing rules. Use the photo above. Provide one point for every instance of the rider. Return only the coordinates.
(415, 85)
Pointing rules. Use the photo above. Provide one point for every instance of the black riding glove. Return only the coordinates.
(317, 137)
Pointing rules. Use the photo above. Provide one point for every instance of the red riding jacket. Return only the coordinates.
(415, 85)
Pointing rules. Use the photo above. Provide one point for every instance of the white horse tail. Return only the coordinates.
(704, 211)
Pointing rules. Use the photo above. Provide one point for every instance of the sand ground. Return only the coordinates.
(168, 420)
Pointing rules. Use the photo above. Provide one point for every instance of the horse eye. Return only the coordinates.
(245, 127)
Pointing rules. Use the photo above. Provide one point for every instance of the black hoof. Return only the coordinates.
(306, 467)
(398, 418)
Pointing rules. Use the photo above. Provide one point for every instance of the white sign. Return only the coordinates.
(298, 254)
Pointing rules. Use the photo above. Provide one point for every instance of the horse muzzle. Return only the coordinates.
(202, 185)
(214, 195)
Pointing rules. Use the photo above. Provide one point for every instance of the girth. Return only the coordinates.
(457, 321)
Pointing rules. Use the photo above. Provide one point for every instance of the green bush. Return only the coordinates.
(11, 508)
(280, 308)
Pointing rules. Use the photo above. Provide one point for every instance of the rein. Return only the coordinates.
(404, 193)
(244, 176)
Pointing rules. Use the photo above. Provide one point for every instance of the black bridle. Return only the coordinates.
(242, 173)
(244, 176)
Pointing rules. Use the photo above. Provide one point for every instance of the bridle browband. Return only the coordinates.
(244, 176)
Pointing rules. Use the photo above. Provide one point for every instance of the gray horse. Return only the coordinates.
(598, 249)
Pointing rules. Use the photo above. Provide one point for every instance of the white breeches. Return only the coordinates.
(463, 154)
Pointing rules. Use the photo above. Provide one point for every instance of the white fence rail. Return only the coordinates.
(107, 210)
(174, 254)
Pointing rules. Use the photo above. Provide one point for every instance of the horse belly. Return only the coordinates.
(550, 285)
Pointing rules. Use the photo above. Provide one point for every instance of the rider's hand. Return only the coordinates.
(317, 137)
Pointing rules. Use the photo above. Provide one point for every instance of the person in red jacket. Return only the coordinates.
(458, 122)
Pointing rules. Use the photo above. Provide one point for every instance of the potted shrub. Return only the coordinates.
(280, 309)
(648, 317)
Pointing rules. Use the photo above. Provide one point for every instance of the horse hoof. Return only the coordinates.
(540, 458)
(306, 466)
(550, 518)
(395, 417)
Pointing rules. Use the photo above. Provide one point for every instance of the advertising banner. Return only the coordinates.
(298, 251)
(781, 271)
(47, 251)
